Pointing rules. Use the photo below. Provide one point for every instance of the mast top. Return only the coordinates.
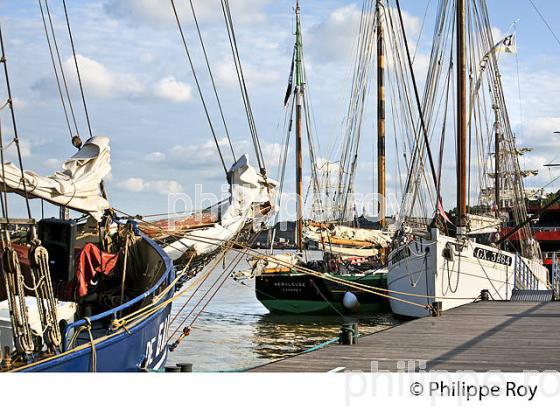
(298, 51)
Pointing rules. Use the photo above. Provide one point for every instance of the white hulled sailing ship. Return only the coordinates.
(447, 262)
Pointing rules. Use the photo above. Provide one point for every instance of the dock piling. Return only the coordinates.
(172, 369)
(437, 309)
(185, 367)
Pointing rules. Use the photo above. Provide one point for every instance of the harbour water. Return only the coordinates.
(234, 331)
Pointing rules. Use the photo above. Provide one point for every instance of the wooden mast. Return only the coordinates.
(380, 114)
(461, 119)
(497, 138)
(299, 109)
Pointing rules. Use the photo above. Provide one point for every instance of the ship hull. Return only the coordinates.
(442, 269)
(290, 293)
(139, 346)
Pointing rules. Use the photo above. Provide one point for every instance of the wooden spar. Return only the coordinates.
(461, 120)
(380, 114)
(299, 109)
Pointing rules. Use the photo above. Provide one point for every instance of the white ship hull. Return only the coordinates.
(437, 268)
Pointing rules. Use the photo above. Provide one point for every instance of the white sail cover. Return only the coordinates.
(374, 236)
(480, 224)
(249, 190)
(76, 187)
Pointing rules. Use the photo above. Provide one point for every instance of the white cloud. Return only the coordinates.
(173, 90)
(19, 103)
(333, 39)
(160, 14)
(157, 186)
(497, 34)
(195, 155)
(132, 184)
(100, 81)
(11, 150)
(155, 156)
(163, 186)
(147, 58)
(53, 164)
(226, 76)
(272, 154)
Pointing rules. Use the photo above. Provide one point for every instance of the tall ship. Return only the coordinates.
(350, 277)
(445, 261)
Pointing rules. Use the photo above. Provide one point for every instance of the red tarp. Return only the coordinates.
(92, 261)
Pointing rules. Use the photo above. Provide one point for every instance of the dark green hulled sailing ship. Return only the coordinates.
(350, 278)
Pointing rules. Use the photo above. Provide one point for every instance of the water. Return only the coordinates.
(234, 331)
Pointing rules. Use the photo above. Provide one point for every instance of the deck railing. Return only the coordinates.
(525, 279)
(556, 276)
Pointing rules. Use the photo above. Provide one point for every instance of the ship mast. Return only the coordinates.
(380, 114)
(461, 120)
(497, 138)
(299, 89)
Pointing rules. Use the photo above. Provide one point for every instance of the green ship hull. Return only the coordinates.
(292, 293)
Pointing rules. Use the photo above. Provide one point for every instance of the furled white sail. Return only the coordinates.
(250, 193)
(76, 187)
(375, 237)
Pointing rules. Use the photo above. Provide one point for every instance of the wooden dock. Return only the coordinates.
(484, 336)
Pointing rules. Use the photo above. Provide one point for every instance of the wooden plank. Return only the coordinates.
(505, 336)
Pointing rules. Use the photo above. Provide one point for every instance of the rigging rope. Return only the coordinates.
(77, 67)
(61, 68)
(4, 61)
(51, 52)
(212, 79)
(198, 87)
(242, 84)
(545, 22)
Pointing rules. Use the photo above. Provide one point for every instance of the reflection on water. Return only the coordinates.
(235, 331)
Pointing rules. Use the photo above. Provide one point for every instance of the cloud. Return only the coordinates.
(25, 146)
(152, 11)
(157, 186)
(98, 80)
(199, 155)
(539, 135)
(333, 39)
(173, 90)
(272, 153)
(101, 82)
(226, 75)
(155, 156)
(160, 14)
(19, 103)
(53, 164)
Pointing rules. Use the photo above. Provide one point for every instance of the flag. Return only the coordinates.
(290, 81)
(507, 45)
(442, 212)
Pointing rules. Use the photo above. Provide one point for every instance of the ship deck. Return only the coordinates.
(484, 336)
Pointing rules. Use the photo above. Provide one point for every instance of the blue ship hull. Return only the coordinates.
(142, 346)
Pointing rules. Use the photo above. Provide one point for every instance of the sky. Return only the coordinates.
(141, 93)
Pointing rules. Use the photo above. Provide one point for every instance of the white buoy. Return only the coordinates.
(350, 302)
